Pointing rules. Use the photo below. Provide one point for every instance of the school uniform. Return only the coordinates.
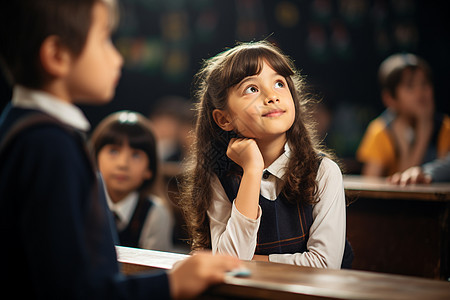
(143, 222)
(321, 241)
(57, 239)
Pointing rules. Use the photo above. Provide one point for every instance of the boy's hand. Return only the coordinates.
(245, 152)
(195, 274)
(423, 109)
(412, 175)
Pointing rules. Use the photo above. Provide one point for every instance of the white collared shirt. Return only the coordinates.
(157, 229)
(233, 233)
(63, 111)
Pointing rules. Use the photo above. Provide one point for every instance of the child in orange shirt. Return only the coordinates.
(409, 132)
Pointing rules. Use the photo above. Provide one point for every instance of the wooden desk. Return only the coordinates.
(378, 188)
(280, 281)
(400, 230)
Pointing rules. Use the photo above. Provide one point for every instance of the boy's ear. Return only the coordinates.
(55, 57)
(388, 99)
(222, 119)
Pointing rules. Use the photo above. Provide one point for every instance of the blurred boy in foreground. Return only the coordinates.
(58, 241)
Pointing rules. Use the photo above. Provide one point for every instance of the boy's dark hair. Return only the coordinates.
(27, 23)
(392, 69)
(129, 126)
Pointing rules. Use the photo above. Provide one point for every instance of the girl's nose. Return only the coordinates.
(123, 159)
(271, 98)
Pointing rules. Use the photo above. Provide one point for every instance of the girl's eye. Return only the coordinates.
(251, 90)
(113, 151)
(279, 85)
(137, 155)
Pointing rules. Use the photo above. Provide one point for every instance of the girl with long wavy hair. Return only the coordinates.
(257, 185)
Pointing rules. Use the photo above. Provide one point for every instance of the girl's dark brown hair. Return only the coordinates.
(131, 127)
(207, 156)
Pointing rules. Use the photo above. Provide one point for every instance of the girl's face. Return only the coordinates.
(123, 168)
(261, 106)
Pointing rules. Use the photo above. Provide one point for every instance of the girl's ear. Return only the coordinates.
(222, 119)
(148, 174)
(55, 57)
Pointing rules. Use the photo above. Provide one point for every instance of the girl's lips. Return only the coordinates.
(121, 177)
(274, 113)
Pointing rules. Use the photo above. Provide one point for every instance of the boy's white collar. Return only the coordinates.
(65, 112)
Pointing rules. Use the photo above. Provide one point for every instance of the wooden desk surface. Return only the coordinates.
(280, 281)
(374, 187)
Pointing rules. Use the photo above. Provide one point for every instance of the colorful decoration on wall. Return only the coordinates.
(287, 14)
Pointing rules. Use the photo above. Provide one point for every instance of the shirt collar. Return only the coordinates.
(278, 167)
(125, 208)
(65, 112)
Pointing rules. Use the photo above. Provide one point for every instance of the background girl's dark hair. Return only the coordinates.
(208, 156)
(29, 22)
(123, 126)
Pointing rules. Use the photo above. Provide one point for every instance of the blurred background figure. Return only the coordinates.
(322, 116)
(409, 132)
(125, 150)
(435, 171)
(172, 119)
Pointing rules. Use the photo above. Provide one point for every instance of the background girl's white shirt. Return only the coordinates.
(234, 234)
(157, 229)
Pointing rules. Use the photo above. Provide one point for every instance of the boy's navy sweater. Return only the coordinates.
(56, 238)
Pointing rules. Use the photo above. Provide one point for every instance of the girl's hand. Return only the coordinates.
(190, 277)
(245, 152)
